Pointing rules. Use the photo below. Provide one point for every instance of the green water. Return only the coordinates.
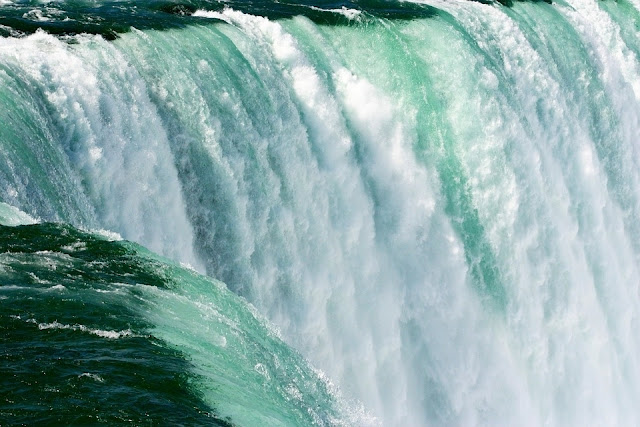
(93, 332)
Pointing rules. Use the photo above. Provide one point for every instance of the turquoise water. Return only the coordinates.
(435, 204)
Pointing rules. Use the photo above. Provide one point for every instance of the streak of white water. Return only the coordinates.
(112, 136)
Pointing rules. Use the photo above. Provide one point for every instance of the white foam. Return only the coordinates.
(98, 332)
(111, 236)
(200, 13)
(76, 246)
(94, 377)
(37, 15)
(12, 216)
(351, 14)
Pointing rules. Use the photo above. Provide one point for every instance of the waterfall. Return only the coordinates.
(441, 211)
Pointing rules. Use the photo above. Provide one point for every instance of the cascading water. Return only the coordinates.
(437, 204)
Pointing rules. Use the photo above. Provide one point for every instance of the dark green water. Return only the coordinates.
(77, 346)
(75, 349)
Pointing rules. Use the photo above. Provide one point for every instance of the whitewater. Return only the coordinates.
(436, 203)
